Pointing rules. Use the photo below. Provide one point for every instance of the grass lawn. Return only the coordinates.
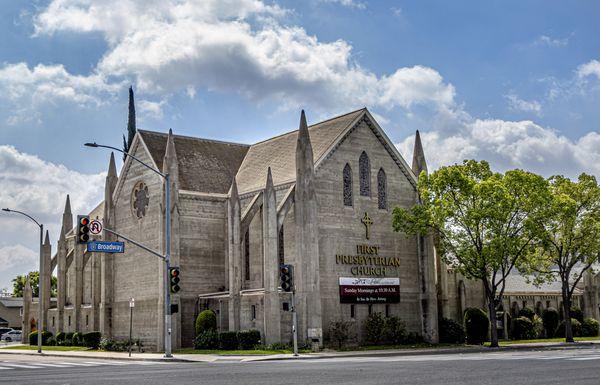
(237, 352)
(55, 348)
(413, 346)
(511, 342)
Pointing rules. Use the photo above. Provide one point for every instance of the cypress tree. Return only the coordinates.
(131, 129)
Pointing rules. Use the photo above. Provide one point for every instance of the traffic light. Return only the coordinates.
(286, 275)
(174, 279)
(83, 229)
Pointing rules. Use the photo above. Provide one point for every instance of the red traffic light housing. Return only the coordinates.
(83, 229)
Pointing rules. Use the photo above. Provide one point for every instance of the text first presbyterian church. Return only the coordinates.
(319, 198)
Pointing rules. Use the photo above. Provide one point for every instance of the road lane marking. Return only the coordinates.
(21, 366)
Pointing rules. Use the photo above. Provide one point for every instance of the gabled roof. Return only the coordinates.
(204, 165)
(517, 284)
(279, 153)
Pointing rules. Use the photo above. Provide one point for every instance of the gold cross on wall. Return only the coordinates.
(367, 221)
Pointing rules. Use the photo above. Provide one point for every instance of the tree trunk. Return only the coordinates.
(567, 312)
(493, 322)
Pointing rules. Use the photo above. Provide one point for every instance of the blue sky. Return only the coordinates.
(516, 83)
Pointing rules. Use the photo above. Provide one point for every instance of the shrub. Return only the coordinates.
(522, 329)
(33, 337)
(51, 341)
(111, 345)
(248, 339)
(60, 337)
(228, 340)
(575, 327)
(374, 327)
(340, 332)
(92, 339)
(527, 312)
(451, 332)
(590, 327)
(476, 326)
(412, 338)
(77, 339)
(577, 314)
(206, 320)
(394, 331)
(538, 327)
(208, 339)
(550, 319)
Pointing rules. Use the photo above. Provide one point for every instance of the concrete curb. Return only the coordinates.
(312, 356)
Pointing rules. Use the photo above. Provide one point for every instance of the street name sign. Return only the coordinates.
(106, 247)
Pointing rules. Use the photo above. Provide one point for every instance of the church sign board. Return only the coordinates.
(369, 290)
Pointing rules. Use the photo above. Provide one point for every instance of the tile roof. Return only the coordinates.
(516, 283)
(279, 153)
(204, 165)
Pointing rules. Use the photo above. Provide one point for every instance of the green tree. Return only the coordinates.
(569, 237)
(482, 221)
(19, 284)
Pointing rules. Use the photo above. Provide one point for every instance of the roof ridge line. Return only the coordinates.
(309, 127)
(196, 138)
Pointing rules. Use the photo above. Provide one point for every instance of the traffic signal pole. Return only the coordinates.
(167, 266)
(294, 322)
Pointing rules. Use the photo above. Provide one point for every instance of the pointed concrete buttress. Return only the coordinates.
(67, 219)
(418, 164)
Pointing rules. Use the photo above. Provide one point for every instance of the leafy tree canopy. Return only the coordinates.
(19, 284)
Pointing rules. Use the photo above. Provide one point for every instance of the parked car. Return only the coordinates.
(13, 335)
(5, 330)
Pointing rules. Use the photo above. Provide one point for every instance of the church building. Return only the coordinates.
(319, 198)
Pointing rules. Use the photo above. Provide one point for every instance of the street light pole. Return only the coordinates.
(167, 256)
(41, 286)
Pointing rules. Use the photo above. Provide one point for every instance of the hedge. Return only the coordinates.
(77, 339)
(34, 335)
(590, 328)
(208, 339)
(527, 312)
(575, 327)
(522, 329)
(228, 340)
(477, 325)
(577, 314)
(248, 339)
(92, 339)
(374, 328)
(451, 332)
(550, 318)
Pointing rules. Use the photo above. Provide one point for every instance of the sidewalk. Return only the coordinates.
(209, 358)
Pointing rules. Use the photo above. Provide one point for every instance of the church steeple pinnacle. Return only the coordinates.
(47, 239)
(418, 164)
(67, 220)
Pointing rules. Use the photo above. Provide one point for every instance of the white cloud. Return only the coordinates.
(18, 256)
(49, 84)
(544, 40)
(591, 68)
(515, 103)
(238, 46)
(510, 144)
(348, 3)
(39, 188)
(151, 109)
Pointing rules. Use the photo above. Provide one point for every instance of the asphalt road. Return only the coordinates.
(573, 366)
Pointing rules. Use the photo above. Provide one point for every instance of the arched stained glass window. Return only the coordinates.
(347, 185)
(381, 189)
(364, 174)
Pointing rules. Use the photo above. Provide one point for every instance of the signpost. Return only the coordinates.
(105, 247)
(369, 290)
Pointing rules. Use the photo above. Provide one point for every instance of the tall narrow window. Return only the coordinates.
(347, 185)
(247, 255)
(280, 246)
(381, 189)
(364, 174)
(253, 312)
(352, 311)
